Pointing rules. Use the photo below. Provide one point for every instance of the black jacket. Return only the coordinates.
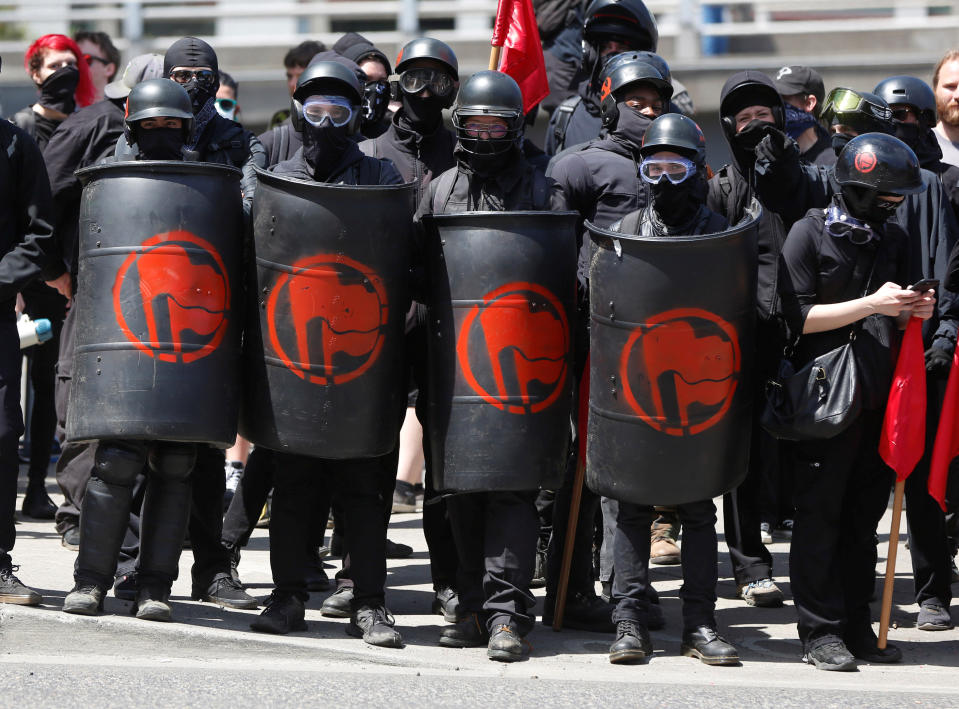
(354, 168)
(27, 249)
(83, 139)
(577, 120)
(280, 142)
(419, 158)
(646, 222)
(226, 142)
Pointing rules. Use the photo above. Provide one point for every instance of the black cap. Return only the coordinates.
(798, 79)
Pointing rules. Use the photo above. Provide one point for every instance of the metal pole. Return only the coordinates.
(408, 21)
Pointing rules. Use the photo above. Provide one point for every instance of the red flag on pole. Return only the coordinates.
(904, 426)
(522, 57)
(946, 446)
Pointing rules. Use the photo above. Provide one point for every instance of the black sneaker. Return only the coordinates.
(225, 591)
(37, 503)
(632, 643)
(84, 599)
(153, 602)
(934, 615)
(125, 587)
(708, 646)
(469, 632)
(375, 625)
(12, 590)
(507, 645)
(395, 550)
(339, 603)
(70, 539)
(446, 603)
(404, 497)
(283, 614)
(584, 611)
(833, 656)
(316, 578)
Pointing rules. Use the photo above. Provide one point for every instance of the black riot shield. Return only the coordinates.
(502, 301)
(672, 323)
(158, 330)
(324, 349)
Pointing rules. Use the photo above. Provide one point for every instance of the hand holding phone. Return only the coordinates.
(925, 284)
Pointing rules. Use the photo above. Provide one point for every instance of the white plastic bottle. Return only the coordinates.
(33, 332)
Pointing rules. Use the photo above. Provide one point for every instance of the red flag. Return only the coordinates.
(946, 446)
(904, 426)
(522, 56)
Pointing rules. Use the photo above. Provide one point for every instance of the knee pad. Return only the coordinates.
(118, 465)
(173, 461)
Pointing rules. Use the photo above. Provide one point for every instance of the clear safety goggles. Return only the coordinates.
(337, 109)
(841, 225)
(439, 82)
(676, 170)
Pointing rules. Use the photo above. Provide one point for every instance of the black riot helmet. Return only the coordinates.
(158, 98)
(618, 75)
(413, 82)
(863, 112)
(328, 76)
(676, 133)
(627, 19)
(427, 48)
(489, 93)
(879, 162)
(912, 92)
(745, 89)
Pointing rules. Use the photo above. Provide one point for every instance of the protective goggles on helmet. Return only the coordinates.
(437, 81)
(848, 101)
(676, 170)
(204, 77)
(840, 225)
(337, 109)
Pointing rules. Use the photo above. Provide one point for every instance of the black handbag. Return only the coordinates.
(820, 400)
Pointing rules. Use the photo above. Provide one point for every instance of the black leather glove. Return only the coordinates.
(939, 358)
(774, 145)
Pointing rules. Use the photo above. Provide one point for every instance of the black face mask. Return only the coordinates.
(864, 204)
(631, 124)
(839, 141)
(424, 114)
(160, 143)
(323, 148)
(199, 95)
(922, 141)
(675, 205)
(57, 90)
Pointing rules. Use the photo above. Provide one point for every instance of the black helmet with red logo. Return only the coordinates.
(879, 162)
(618, 75)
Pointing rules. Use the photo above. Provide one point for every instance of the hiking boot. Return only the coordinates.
(507, 645)
(708, 646)
(404, 497)
(632, 643)
(339, 603)
(84, 599)
(663, 535)
(375, 625)
(583, 612)
(833, 656)
(125, 587)
(153, 602)
(284, 613)
(395, 550)
(469, 632)
(934, 615)
(762, 593)
(225, 591)
(70, 539)
(37, 503)
(315, 575)
(446, 603)
(13, 590)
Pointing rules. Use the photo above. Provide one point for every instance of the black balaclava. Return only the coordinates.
(922, 140)
(678, 204)
(631, 124)
(864, 204)
(160, 143)
(323, 147)
(57, 90)
(424, 115)
(192, 52)
(838, 141)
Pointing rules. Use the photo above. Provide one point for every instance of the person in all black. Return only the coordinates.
(803, 94)
(600, 180)
(330, 97)
(913, 106)
(610, 26)
(27, 252)
(845, 270)
(158, 125)
(83, 139)
(421, 148)
(495, 531)
(674, 169)
(376, 87)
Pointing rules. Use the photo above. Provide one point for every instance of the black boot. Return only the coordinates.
(85, 599)
(632, 643)
(339, 603)
(37, 503)
(374, 624)
(227, 592)
(507, 645)
(830, 654)
(446, 603)
(284, 613)
(469, 632)
(153, 601)
(705, 644)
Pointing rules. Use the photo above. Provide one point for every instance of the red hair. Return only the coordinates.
(33, 60)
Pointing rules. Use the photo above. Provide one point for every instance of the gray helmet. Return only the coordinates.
(489, 93)
(327, 75)
(158, 98)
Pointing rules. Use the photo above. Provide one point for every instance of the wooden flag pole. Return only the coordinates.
(569, 544)
(494, 57)
(886, 609)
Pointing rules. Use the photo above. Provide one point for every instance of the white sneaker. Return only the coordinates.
(765, 533)
(233, 471)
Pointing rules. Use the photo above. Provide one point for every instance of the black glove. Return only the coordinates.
(939, 358)
(774, 145)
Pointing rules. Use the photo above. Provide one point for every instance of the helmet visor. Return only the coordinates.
(676, 170)
(336, 109)
(439, 82)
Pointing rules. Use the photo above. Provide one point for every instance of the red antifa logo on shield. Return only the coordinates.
(176, 285)
(327, 318)
(680, 370)
(512, 349)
